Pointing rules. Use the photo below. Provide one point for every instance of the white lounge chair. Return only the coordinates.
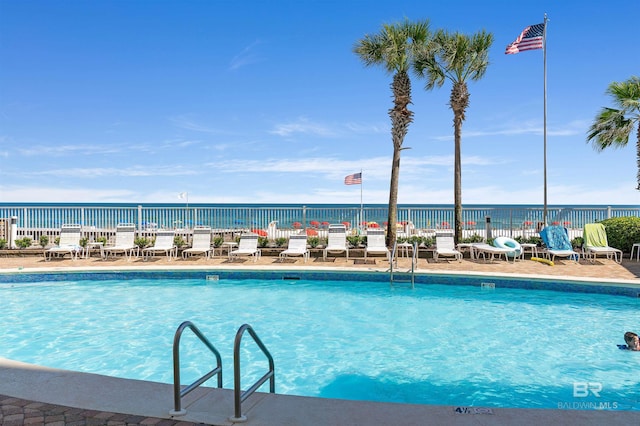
(337, 241)
(484, 249)
(69, 243)
(125, 242)
(445, 247)
(248, 247)
(557, 243)
(201, 243)
(297, 247)
(596, 243)
(376, 243)
(164, 244)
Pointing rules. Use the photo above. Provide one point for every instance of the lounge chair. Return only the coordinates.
(484, 249)
(445, 247)
(201, 243)
(557, 242)
(376, 243)
(337, 241)
(69, 243)
(297, 247)
(595, 243)
(125, 242)
(164, 244)
(248, 247)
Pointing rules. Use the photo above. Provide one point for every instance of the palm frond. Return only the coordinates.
(610, 129)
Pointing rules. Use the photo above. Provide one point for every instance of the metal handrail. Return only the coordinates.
(238, 395)
(414, 260)
(177, 392)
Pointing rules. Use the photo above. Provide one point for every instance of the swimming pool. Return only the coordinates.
(463, 345)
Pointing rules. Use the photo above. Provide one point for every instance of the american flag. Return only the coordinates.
(530, 39)
(354, 179)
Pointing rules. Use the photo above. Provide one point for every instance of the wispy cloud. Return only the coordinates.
(188, 123)
(97, 172)
(303, 126)
(247, 56)
(63, 150)
(575, 127)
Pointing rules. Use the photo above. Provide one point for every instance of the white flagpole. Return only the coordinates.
(361, 205)
(544, 55)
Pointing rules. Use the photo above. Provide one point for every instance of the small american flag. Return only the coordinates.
(354, 179)
(530, 39)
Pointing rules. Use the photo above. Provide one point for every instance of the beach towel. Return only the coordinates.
(595, 235)
(556, 238)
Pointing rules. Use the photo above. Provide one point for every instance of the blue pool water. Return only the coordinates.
(436, 344)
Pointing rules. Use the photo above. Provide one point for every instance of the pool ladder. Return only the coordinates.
(239, 395)
(393, 275)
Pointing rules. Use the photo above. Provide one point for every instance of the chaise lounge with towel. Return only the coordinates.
(557, 242)
(596, 243)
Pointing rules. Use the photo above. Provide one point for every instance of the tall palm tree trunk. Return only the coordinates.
(401, 117)
(638, 156)
(459, 102)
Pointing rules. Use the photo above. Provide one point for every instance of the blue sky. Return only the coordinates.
(265, 102)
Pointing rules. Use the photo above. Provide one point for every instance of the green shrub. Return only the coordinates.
(56, 241)
(354, 240)
(179, 241)
(3, 244)
(217, 241)
(141, 242)
(313, 241)
(281, 242)
(535, 240)
(83, 242)
(577, 242)
(23, 242)
(102, 240)
(44, 240)
(263, 242)
(622, 232)
(475, 238)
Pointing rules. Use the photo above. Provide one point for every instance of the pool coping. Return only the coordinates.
(215, 406)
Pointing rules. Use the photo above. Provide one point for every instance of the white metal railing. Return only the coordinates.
(39, 219)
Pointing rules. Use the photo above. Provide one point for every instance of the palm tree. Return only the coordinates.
(456, 57)
(613, 126)
(394, 48)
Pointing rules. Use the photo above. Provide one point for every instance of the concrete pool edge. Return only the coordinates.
(215, 406)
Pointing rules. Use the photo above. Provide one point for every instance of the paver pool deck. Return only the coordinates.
(38, 395)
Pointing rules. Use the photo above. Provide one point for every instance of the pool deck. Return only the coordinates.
(36, 395)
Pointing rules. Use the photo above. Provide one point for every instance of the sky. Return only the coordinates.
(265, 102)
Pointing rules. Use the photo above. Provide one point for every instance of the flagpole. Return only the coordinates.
(544, 60)
(361, 205)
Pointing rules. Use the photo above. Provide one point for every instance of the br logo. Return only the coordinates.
(583, 389)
